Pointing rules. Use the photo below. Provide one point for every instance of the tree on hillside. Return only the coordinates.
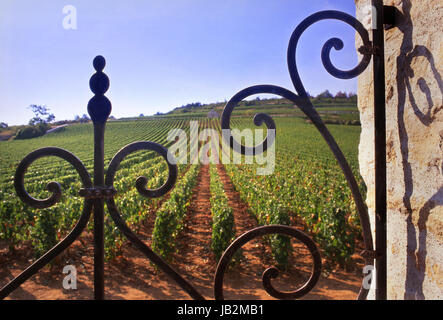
(41, 115)
(325, 94)
(341, 94)
(352, 97)
(38, 125)
(192, 105)
(3, 125)
(84, 118)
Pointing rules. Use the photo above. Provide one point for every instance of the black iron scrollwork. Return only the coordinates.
(141, 187)
(101, 190)
(95, 194)
(272, 272)
(301, 99)
(56, 191)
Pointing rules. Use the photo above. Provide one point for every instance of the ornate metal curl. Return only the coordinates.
(303, 102)
(142, 181)
(99, 108)
(55, 188)
(270, 273)
(141, 187)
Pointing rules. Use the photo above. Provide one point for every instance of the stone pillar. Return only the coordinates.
(414, 108)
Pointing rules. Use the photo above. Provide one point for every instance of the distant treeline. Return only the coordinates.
(39, 125)
(325, 98)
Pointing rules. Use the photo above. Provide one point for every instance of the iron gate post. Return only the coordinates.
(99, 108)
(380, 142)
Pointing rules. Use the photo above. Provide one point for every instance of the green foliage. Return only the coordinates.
(281, 247)
(39, 113)
(19, 222)
(223, 225)
(170, 217)
(37, 125)
(45, 233)
(274, 106)
(307, 184)
(32, 131)
(12, 219)
(325, 95)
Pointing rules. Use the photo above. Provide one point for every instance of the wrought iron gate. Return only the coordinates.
(100, 190)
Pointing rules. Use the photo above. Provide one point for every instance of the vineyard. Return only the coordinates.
(307, 190)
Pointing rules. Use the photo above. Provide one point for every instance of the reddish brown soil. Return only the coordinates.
(194, 259)
(131, 275)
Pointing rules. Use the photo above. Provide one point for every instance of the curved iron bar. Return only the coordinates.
(99, 108)
(270, 273)
(141, 187)
(151, 255)
(259, 118)
(142, 181)
(303, 102)
(55, 188)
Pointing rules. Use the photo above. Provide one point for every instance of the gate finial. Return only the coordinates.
(99, 107)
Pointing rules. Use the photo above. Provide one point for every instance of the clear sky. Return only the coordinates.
(160, 54)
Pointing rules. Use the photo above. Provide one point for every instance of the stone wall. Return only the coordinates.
(414, 103)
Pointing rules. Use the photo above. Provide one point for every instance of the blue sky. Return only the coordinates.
(160, 54)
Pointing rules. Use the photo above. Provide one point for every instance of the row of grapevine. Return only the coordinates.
(266, 210)
(44, 228)
(170, 216)
(223, 224)
(306, 184)
(117, 135)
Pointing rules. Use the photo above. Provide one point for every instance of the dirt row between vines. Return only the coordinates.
(131, 275)
(338, 285)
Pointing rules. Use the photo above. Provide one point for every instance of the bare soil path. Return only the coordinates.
(257, 257)
(194, 258)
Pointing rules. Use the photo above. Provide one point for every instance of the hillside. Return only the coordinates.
(332, 110)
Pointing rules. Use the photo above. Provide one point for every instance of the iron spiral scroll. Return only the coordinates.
(100, 191)
(302, 101)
